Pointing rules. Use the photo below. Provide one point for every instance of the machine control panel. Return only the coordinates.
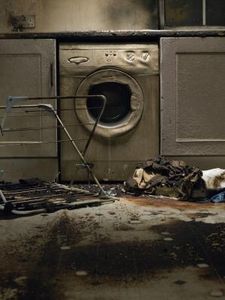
(134, 58)
(129, 56)
(110, 55)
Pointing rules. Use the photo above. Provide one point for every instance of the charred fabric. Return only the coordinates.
(162, 177)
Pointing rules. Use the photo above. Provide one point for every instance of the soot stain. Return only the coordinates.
(190, 243)
(198, 241)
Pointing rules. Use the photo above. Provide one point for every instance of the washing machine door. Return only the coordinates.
(124, 104)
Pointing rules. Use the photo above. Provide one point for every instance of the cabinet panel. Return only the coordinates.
(28, 69)
(192, 96)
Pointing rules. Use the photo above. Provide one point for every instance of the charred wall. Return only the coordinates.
(78, 15)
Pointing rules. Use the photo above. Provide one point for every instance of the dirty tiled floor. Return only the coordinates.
(135, 248)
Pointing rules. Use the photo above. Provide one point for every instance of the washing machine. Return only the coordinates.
(128, 131)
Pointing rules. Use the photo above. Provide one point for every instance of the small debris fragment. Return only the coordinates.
(135, 222)
(177, 247)
(124, 227)
(44, 215)
(165, 233)
(202, 266)
(20, 280)
(215, 244)
(65, 248)
(173, 255)
(146, 213)
(99, 214)
(168, 239)
(111, 212)
(81, 273)
(201, 258)
(216, 293)
(179, 282)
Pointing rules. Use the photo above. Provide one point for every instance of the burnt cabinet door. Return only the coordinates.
(27, 68)
(192, 96)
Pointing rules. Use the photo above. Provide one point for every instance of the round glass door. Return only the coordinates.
(124, 102)
(118, 104)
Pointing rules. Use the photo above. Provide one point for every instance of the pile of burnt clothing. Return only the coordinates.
(167, 178)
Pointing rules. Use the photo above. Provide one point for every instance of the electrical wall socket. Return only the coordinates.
(22, 22)
(29, 21)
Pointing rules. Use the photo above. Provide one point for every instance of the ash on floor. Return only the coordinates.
(133, 248)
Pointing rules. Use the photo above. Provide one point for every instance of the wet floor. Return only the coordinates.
(136, 248)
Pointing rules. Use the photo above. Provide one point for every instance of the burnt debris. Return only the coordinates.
(35, 196)
(174, 178)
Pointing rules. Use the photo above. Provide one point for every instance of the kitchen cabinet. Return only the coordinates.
(28, 69)
(192, 96)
